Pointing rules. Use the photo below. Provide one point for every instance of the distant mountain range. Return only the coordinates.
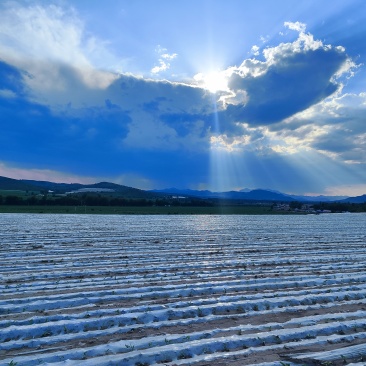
(8, 184)
(358, 199)
(255, 194)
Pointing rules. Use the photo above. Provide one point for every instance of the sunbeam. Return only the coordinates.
(227, 96)
(214, 81)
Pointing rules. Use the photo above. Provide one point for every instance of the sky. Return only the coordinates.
(204, 94)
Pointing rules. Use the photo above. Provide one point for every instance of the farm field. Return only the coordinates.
(264, 290)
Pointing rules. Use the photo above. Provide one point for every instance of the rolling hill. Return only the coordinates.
(10, 184)
(358, 199)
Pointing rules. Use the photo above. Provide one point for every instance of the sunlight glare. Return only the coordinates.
(213, 81)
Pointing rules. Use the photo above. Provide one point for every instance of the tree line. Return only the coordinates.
(102, 200)
(98, 200)
(332, 206)
(341, 206)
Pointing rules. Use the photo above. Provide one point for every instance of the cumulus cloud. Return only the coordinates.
(127, 118)
(293, 77)
(50, 43)
(164, 60)
(335, 127)
(346, 135)
(60, 113)
(297, 26)
(255, 50)
(37, 32)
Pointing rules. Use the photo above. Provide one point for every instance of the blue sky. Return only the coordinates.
(216, 95)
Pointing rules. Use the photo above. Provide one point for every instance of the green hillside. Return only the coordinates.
(102, 188)
(9, 184)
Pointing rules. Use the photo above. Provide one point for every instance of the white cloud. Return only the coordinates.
(334, 127)
(5, 93)
(286, 150)
(348, 68)
(247, 139)
(41, 33)
(264, 39)
(255, 50)
(304, 43)
(293, 77)
(44, 40)
(163, 66)
(169, 57)
(230, 144)
(164, 60)
(297, 26)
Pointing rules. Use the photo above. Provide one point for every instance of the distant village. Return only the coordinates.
(300, 208)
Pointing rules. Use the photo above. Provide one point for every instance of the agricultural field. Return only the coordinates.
(197, 290)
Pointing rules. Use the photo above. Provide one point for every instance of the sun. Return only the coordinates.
(213, 81)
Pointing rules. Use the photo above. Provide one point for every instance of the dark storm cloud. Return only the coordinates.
(292, 84)
(31, 131)
(88, 140)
